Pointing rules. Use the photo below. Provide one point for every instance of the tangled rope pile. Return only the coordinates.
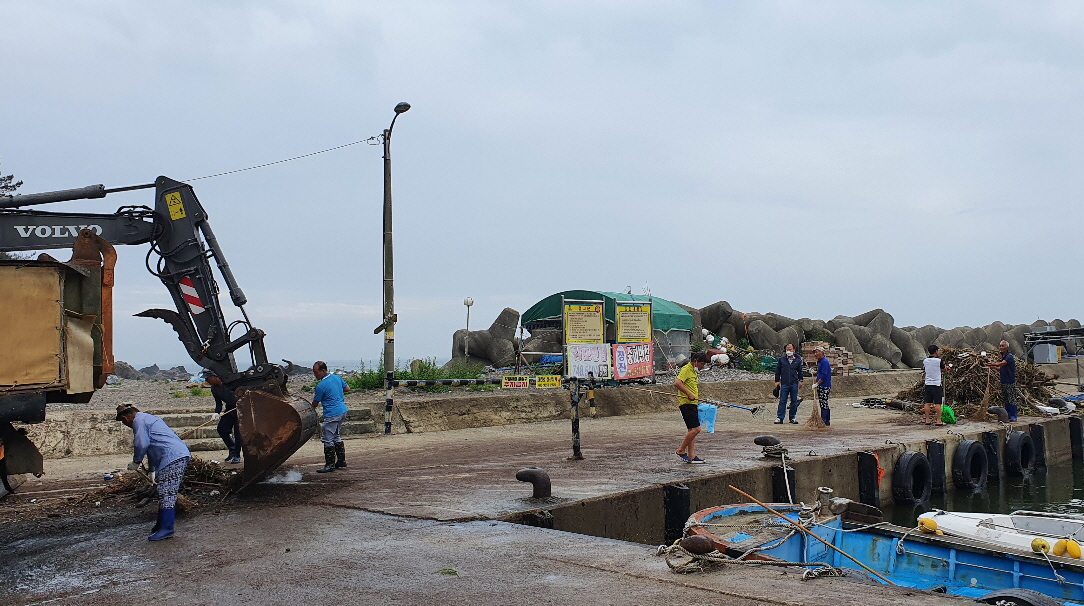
(682, 561)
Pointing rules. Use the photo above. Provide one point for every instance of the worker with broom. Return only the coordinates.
(168, 457)
(822, 385)
(1007, 369)
(688, 386)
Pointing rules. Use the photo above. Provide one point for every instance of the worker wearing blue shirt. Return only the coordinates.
(168, 457)
(330, 393)
(822, 385)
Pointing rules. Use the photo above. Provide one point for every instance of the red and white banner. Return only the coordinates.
(633, 360)
(188, 291)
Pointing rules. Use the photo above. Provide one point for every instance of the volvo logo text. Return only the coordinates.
(55, 231)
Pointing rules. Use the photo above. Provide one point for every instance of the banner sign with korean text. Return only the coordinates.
(583, 322)
(548, 381)
(633, 360)
(512, 382)
(633, 322)
(584, 359)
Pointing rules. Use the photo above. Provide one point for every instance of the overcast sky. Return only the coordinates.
(807, 158)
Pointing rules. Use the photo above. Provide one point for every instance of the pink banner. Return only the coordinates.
(633, 360)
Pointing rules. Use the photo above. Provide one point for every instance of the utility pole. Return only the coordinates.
(388, 326)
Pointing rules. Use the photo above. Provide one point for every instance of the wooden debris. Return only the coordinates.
(966, 383)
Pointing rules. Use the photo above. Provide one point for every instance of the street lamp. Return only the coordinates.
(389, 284)
(466, 338)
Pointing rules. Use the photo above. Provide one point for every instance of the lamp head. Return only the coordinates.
(402, 107)
(468, 301)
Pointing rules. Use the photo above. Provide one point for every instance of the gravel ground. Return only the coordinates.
(175, 395)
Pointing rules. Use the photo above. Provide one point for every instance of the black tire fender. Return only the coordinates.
(912, 479)
(1019, 453)
(970, 467)
(1018, 597)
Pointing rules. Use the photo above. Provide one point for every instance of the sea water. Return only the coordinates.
(1057, 489)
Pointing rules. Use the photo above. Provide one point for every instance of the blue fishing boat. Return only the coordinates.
(918, 558)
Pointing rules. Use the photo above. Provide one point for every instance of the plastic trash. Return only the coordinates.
(707, 413)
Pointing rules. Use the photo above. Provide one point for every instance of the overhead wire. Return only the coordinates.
(323, 151)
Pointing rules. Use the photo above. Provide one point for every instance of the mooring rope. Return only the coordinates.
(702, 562)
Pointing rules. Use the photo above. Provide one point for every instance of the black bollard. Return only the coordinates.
(538, 478)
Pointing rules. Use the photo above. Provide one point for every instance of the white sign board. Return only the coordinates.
(594, 359)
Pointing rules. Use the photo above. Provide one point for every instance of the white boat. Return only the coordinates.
(1014, 530)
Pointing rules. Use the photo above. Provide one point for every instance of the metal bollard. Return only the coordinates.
(538, 478)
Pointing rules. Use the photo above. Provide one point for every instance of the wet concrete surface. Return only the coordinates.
(327, 555)
(411, 505)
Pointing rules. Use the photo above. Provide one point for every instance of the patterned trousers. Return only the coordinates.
(822, 399)
(169, 482)
(1008, 398)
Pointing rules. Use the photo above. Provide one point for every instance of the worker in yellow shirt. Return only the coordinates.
(688, 386)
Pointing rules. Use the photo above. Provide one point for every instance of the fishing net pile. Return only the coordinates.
(967, 380)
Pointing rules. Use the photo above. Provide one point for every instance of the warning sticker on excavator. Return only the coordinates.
(176, 208)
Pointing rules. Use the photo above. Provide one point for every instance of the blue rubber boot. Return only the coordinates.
(166, 531)
(157, 523)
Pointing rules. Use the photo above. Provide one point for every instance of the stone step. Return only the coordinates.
(356, 428)
(180, 422)
(201, 445)
(183, 420)
(359, 414)
(207, 438)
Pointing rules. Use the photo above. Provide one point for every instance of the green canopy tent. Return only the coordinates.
(665, 315)
(672, 326)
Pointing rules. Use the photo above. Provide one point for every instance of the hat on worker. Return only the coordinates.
(124, 410)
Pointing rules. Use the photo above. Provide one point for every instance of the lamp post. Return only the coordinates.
(389, 284)
(466, 338)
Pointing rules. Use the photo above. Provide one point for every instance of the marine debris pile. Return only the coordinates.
(966, 382)
(203, 481)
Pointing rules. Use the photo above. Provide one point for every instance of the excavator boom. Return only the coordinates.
(273, 423)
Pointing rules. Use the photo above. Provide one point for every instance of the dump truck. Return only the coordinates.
(56, 319)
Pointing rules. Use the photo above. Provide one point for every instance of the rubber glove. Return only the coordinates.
(215, 416)
(133, 466)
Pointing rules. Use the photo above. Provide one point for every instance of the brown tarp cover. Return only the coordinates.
(31, 327)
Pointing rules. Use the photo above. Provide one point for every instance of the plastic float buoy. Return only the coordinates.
(1072, 549)
(1059, 547)
(1039, 545)
(927, 525)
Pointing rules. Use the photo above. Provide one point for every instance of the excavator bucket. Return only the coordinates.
(273, 426)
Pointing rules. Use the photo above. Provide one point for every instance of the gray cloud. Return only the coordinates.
(917, 157)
